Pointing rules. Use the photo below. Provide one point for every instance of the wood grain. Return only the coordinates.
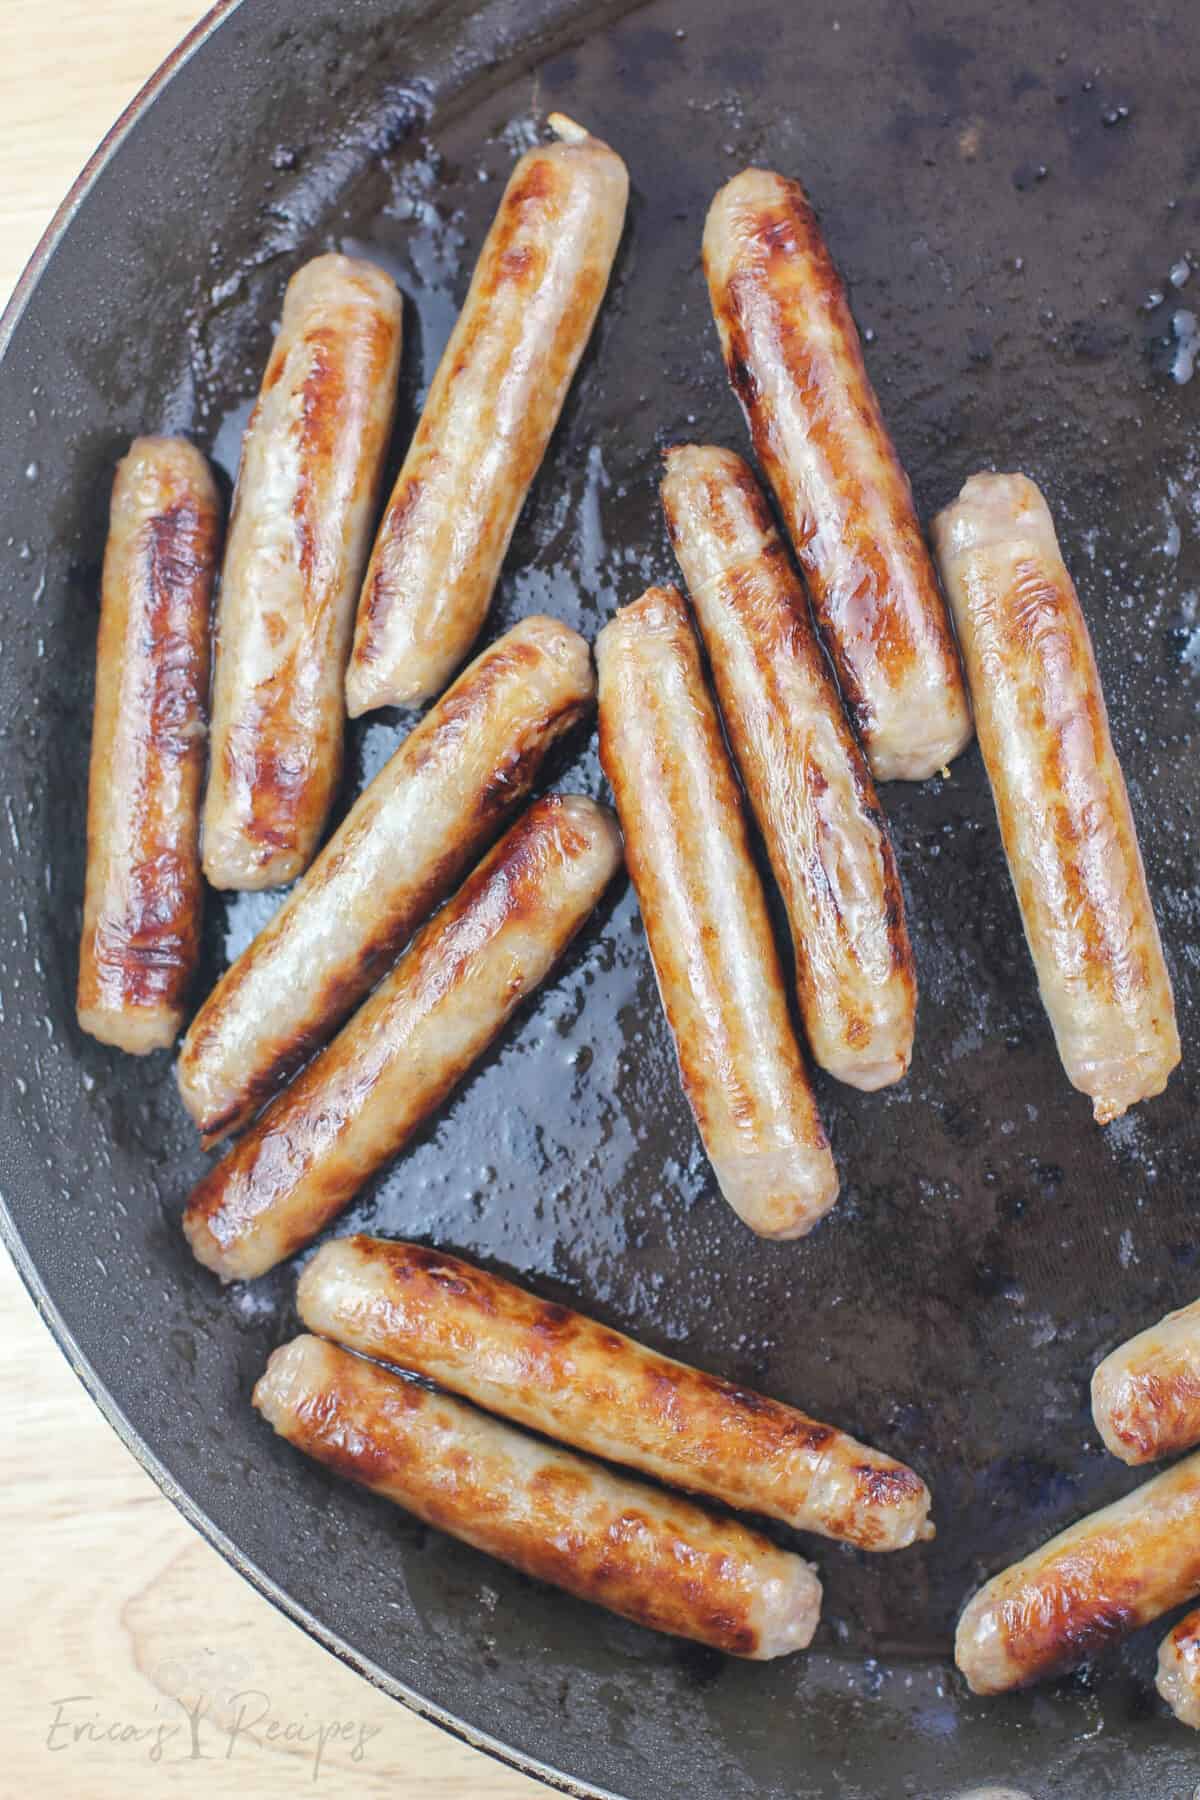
(137, 1662)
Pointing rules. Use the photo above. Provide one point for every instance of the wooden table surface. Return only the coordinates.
(137, 1663)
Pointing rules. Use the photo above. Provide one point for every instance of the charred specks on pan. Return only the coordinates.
(700, 1666)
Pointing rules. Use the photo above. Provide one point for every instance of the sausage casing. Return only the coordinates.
(408, 838)
(652, 1557)
(1106, 1576)
(298, 537)
(360, 1101)
(807, 780)
(1146, 1393)
(574, 1380)
(1060, 796)
(1178, 1679)
(706, 920)
(796, 365)
(492, 406)
(143, 897)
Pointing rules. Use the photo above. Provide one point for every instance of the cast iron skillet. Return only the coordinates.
(1002, 188)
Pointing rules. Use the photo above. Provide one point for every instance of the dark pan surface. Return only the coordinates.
(991, 1243)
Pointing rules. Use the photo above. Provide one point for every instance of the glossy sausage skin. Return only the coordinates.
(1060, 795)
(492, 406)
(1107, 1576)
(143, 897)
(414, 832)
(807, 780)
(796, 365)
(403, 1052)
(298, 538)
(649, 1556)
(706, 921)
(1179, 1670)
(574, 1380)
(1146, 1394)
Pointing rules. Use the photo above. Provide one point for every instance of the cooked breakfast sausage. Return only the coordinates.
(143, 895)
(298, 537)
(574, 1380)
(406, 841)
(1106, 1576)
(706, 921)
(449, 995)
(1060, 796)
(807, 779)
(492, 406)
(1146, 1394)
(649, 1556)
(1179, 1670)
(796, 365)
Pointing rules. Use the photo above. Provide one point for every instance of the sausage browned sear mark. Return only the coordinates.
(796, 365)
(1146, 1393)
(706, 920)
(651, 1557)
(1178, 1679)
(492, 406)
(1060, 796)
(413, 833)
(360, 1101)
(807, 780)
(143, 897)
(1093, 1584)
(305, 500)
(583, 1384)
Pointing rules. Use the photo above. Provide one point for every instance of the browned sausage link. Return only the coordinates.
(571, 1379)
(796, 365)
(651, 1557)
(1060, 796)
(1146, 1394)
(492, 406)
(406, 841)
(1108, 1575)
(806, 777)
(1179, 1670)
(706, 921)
(298, 538)
(143, 898)
(446, 999)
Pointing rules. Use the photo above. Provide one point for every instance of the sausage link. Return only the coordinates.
(651, 1557)
(143, 895)
(492, 406)
(302, 513)
(574, 1380)
(807, 780)
(403, 1052)
(1108, 1575)
(796, 365)
(1060, 797)
(1178, 1679)
(1146, 1394)
(706, 921)
(406, 841)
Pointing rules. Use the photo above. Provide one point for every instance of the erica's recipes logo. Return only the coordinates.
(200, 1726)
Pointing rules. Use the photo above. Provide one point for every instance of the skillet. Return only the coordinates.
(1006, 190)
